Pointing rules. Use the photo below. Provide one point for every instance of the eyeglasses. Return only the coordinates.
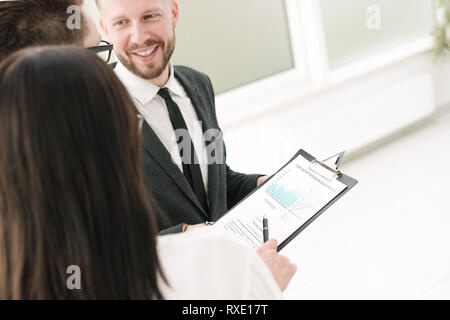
(103, 51)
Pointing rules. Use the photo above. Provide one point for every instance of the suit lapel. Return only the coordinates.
(201, 108)
(154, 147)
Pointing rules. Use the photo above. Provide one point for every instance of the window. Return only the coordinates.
(352, 30)
(235, 42)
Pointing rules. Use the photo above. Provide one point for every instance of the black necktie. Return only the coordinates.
(191, 168)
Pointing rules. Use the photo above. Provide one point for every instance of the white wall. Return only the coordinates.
(441, 78)
(91, 9)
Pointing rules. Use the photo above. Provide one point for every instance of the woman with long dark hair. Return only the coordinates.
(69, 179)
(71, 194)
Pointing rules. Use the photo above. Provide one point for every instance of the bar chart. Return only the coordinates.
(283, 195)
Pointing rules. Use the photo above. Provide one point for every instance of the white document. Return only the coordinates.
(288, 200)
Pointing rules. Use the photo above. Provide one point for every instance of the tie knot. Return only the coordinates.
(164, 92)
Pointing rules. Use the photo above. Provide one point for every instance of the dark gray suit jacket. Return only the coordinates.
(166, 182)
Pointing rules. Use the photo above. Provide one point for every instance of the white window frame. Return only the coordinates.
(311, 73)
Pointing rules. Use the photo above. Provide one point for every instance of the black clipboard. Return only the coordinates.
(335, 174)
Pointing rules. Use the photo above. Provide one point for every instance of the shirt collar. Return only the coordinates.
(143, 90)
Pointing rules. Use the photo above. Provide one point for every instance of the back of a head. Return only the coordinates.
(26, 23)
(70, 186)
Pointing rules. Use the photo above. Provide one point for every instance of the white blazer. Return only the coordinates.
(203, 265)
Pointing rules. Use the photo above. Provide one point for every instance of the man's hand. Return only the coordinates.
(261, 180)
(280, 266)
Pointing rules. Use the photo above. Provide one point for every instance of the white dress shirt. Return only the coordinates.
(153, 108)
(202, 264)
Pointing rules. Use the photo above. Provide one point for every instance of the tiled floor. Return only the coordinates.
(389, 238)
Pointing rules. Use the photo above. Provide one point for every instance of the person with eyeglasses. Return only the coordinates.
(46, 24)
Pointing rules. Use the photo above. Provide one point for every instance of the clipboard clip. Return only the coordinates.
(323, 170)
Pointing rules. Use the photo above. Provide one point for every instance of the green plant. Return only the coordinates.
(441, 31)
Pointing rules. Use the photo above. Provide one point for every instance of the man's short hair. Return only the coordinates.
(97, 2)
(28, 23)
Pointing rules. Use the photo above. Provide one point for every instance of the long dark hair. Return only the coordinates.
(71, 191)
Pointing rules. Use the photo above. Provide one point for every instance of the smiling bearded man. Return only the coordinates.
(191, 184)
(145, 54)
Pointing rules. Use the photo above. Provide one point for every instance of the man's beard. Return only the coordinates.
(150, 73)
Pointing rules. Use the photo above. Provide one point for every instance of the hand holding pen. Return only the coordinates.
(281, 268)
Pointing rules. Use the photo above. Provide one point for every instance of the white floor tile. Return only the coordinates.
(389, 238)
(353, 225)
(440, 292)
(358, 279)
(423, 247)
(312, 260)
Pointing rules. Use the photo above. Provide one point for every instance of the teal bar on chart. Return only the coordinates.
(283, 196)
